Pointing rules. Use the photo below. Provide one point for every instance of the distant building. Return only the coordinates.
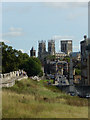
(77, 79)
(89, 68)
(85, 61)
(33, 52)
(42, 50)
(42, 53)
(62, 67)
(53, 67)
(51, 47)
(76, 56)
(66, 46)
(60, 55)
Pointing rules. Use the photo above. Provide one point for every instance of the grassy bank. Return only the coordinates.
(32, 99)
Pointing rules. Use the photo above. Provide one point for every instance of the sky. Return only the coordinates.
(26, 23)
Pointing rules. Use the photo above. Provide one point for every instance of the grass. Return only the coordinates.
(32, 99)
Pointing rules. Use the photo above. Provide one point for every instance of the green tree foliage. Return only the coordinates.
(67, 58)
(77, 71)
(32, 66)
(51, 57)
(77, 66)
(13, 59)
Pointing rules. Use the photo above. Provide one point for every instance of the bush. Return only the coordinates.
(32, 66)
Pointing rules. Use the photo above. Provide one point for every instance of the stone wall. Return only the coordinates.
(8, 79)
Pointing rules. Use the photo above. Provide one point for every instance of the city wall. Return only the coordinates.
(8, 79)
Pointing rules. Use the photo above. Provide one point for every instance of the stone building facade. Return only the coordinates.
(85, 62)
(66, 46)
(51, 47)
(60, 55)
(42, 53)
(76, 56)
(53, 67)
(32, 52)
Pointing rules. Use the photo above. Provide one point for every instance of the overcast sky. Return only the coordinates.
(24, 23)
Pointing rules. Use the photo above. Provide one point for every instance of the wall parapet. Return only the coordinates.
(8, 79)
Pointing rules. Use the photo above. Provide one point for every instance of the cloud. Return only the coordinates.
(58, 37)
(28, 52)
(13, 32)
(22, 50)
(12, 29)
(5, 41)
(66, 4)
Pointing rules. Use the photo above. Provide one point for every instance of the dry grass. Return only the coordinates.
(29, 99)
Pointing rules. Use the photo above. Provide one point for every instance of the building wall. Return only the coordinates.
(88, 69)
(85, 62)
(51, 47)
(52, 67)
(60, 55)
(66, 46)
(33, 53)
(77, 79)
(41, 49)
(76, 56)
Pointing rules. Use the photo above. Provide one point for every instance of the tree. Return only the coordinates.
(11, 58)
(77, 71)
(51, 57)
(67, 58)
(32, 66)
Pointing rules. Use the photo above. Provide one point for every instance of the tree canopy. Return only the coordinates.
(13, 60)
(50, 57)
(32, 66)
(67, 58)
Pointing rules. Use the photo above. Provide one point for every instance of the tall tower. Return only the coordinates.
(41, 49)
(66, 46)
(85, 61)
(51, 47)
(33, 52)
